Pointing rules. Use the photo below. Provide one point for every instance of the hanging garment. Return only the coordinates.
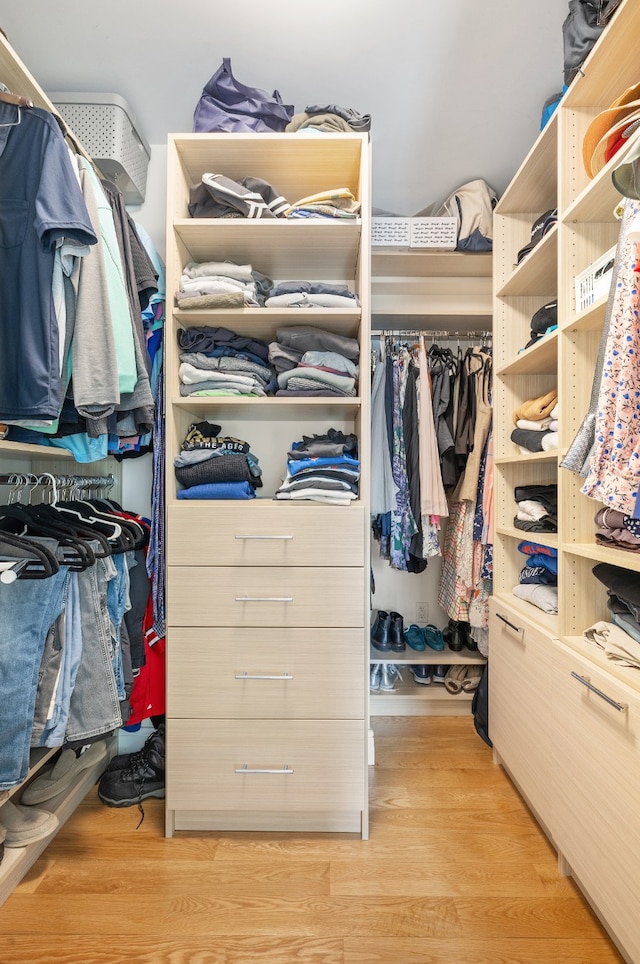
(44, 205)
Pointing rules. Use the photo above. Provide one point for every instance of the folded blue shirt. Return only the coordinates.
(218, 490)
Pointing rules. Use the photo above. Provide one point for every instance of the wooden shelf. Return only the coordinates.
(522, 458)
(416, 699)
(430, 657)
(549, 539)
(591, 319)
(537, 273)
(540, 359)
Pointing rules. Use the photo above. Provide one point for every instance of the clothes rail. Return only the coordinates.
(429, 333)
(54, 486)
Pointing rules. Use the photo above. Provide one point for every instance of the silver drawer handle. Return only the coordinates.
(264, 537)
(620, 707)
(264, 598)
(264, 676)
(246, 769)
(513, 626)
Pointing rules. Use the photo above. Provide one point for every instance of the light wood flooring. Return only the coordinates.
(456, 870)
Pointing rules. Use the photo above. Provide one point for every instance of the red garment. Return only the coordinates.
(148, 694)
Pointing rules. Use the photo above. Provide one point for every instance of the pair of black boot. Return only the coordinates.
(457, 635)
(387, 632)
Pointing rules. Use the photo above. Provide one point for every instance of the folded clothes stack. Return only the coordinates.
(322, 468)
(539, 576)
(623, 591)
(217, 361)
(311, 361)
(211, 466)
(310, 294)
(221, 284)
(617, 530)
(536, 422)
(334, 203)
(537, 508)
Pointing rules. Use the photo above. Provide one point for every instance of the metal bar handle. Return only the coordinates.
(620, 707)
(285, 599)
(245, 768)
(513, 626)
(280, 538)
(264, 676)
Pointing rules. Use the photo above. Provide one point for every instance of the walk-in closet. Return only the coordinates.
(319, 485)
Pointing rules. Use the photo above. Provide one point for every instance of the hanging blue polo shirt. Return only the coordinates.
(40, 202)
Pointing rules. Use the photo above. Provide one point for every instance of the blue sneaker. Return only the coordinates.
(421, 673)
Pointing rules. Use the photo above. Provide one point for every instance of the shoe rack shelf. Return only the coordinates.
(17, 861)
(419, 699)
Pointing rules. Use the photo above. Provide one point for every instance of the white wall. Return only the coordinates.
(455, 87)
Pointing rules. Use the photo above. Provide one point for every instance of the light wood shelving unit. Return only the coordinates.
(16, 456)
(573, 755)
(267, 723)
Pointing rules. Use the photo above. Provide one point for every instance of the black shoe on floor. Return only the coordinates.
(380, 631)
(123, 761)
(143, 777)
(396, 633)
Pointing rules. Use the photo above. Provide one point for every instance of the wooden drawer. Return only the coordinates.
(597, 800)
(266, 765)
(274, 673)
(260, 597)
(521, 702)
(253, 534)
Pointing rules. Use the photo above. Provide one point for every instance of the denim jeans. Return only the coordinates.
(28, 607)
(94, 708)
(53, 732)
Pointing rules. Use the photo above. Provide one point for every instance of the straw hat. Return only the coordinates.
(613, 140)
(621, 108)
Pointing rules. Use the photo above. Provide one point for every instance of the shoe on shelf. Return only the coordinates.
(389, 677)
(453, 679)
(25, 825)
(396, 633)
(467, 638)
(433, 637)
(375, 675)
(142, 778)
(439, 673)
(380, 631)
(421, 673)
(63, 773)
(472, 678)
(453, 636)
(414, 637)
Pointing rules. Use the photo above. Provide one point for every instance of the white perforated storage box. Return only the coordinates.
(434, 233)
(390, 232)
(595, 281)
(106, 128)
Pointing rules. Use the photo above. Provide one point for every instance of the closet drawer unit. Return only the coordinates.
(274, 673)
(265, 765)
(597, 798)
(266, 535)
(261, 597)
(521, 700)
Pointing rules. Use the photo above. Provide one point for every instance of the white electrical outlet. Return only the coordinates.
(422, 612)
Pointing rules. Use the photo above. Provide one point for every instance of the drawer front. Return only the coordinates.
(265, 535)
(266, 765)
(521, 705)
(217, 673)
(598, 793)
(208, 596)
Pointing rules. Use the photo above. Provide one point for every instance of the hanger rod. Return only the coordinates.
(417, 332)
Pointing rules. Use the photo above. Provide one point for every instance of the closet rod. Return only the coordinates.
(46, 478)
(417, 332)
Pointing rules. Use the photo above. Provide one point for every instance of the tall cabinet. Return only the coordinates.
(267, 601)
(564, 720)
